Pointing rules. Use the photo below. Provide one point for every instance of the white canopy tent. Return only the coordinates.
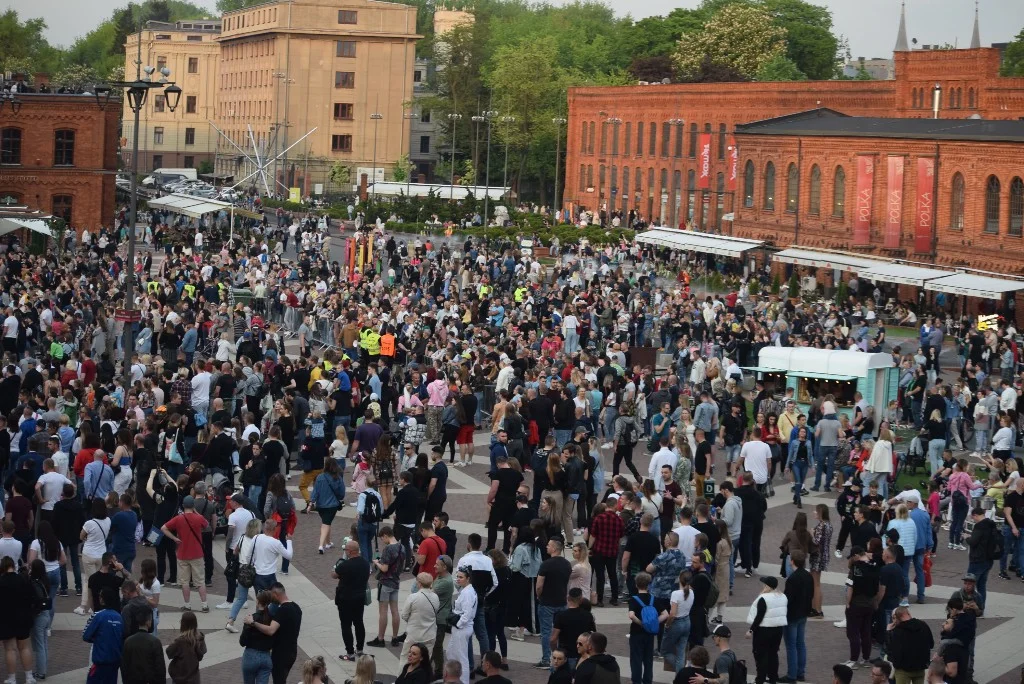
(836, 260)
(688, 240)
(36, 225)
(904, 274)
(188, 205)
(971, 285)
(821, 363)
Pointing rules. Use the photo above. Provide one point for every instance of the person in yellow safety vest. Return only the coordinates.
(484, 289)
(520, 294)
(190, 290)
(371, 341)
(153, 287)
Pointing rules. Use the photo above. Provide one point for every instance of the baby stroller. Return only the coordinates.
(221, 489)
(917, 455)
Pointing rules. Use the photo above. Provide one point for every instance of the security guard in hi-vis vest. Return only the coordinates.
(387, 346)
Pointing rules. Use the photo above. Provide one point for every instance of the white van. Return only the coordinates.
(168, 175)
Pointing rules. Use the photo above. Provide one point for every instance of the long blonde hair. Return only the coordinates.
(314, 670)
(366, 670)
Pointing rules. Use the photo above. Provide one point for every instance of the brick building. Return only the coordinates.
(676, 154)
(58, 154)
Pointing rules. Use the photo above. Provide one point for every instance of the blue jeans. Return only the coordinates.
(919, 570)
(799, 469)
(54, 577)
(732, 453)
(641, 658)
(73, 557)
(980, 570)
(367, 533)
(547, 618)
(1012, 550)
(256, 666)
(935, 449)
(480, 632)
(826, 465)
(675, 641)
(562, 437)
(796, 648)
(262, 582)
(39, 641)
(254, 492)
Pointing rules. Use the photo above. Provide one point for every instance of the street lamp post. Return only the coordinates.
(453, 119)
(137, 92)
(376, 116)
(508, 121)
(613, 181)
(488, 115)
(559, 121)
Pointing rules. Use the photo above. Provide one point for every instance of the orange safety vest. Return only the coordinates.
(387, 345)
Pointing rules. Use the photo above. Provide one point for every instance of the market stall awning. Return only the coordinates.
(809, 257)
(690, 241)
(823, 376)
(972, 285)
(904, 274)
(188, 205)
(10, 224)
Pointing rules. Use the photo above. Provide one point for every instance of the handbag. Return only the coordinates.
(368, 598)
(452, 622)
(247, 572)
(155, 535)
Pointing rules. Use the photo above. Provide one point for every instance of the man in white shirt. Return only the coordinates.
(10, 332)
(756, 458)
(1007, 396)
(249, 428)
(49, 487)
(687, 534)
(9, 546)
(266, 552)
(662, 457)
(237, 521)
(570, 327)
(60, 459)
(201, 391)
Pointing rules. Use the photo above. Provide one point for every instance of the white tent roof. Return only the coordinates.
(688, 240)
(974, 285)
(188, 205)
(903, 274)
(36, 225)
(822, 363)
(809, 257)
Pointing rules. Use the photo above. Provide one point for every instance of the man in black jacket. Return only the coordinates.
(981, 543)
(218, 453)
(908, 645)
(598, 667)
(799, 593)
(406, 509)
(352, 573)
(754, 506)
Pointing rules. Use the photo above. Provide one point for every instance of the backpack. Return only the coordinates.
(385, 470)
(649, 615)
(712, 598)
(629, 433)
(373, 511)
(737, 668)
(994, 547)
(40, 598)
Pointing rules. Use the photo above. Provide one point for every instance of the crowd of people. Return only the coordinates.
(194, 428)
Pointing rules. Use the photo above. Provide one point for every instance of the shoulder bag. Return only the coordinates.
(247, 572)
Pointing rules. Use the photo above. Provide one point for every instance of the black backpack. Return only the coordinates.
(994, 547)
(629, 434)
(737, 668)
(40, 597)
(373, 511)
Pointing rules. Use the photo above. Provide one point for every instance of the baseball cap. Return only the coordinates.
(911, 495)
(969, 577)
(722, 631)
(770, 581)
(188, 502)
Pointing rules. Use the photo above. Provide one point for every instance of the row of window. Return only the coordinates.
(251, 19)
(193, 64)
(158, 136)
(343, 143)
(191, 104)
(672, 134)
(60, 205)
(63, 146)
(247, 49)
(922, 98)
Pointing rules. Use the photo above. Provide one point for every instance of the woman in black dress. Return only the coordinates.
(16, 595)
(501, 498)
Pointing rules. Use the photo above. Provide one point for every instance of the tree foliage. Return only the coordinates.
(1013, 58)
(652, 69)
(340, 174)
(715, 72)
(75, 77)
(741, 36)
(23, 46)
(780, 68)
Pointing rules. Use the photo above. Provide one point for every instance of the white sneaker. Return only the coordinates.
(329, 545)
(839, 554)
(80, 610)
(840, 624)
(246, 604)
(852, 664)
(231, 628)
(11, 680)
(223, 606)
(606, 445)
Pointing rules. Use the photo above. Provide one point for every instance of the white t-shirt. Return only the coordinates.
(151, 592)
(52, 484)
(687, 541)
(338, 449)
(60, 462)
(570, 322)
(238, 520)
(757, 458)
(49, 565)
(10, 326)
(249, 430)
(12, 548)
(683, 603)
(201, 388)
(96, 542)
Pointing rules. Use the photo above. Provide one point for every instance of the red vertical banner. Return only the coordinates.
(704, 155)
(924, 210)
(894, 202)
(734, 164)
(865, 197)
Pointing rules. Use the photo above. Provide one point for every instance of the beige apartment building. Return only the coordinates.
(289, 67)
(184, 137)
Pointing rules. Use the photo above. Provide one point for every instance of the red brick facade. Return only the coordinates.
(605, 168)
(83, 190)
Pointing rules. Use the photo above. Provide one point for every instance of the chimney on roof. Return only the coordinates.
(976, 36)
(901, 34)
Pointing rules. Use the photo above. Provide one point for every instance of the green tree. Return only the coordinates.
(1013, 58)
(402, 170)
(340, 174)
(23, 45)
(810, 43)
(205, 167)
(741, 36)
(75, 76)
(780, 68)
(653, 69)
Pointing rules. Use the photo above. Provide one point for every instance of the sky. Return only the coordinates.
(869, 25)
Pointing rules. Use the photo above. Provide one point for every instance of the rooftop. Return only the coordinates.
(830, 123)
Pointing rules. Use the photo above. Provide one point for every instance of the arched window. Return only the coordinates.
(593, 128)
(1016, 206)
(625, 188)
(62, 207)
(768, 202)
(650, 181)
(792, 188)
(692, 151)
(590, 176)
(959, 98)
(10, 146)
(602, 174)
(748, 184)
(839, 193)
(614, 183)
(970, 98)
(639, 139)
(583, 141)
(583, 178)
(604, 137)
(639, 181)
(629, 134)
(956, 204)
(691, 193)
(992, 190)
(815, 195)
(720, 201)
(913, 98)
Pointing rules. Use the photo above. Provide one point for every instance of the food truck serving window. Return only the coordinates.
(809, 389)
